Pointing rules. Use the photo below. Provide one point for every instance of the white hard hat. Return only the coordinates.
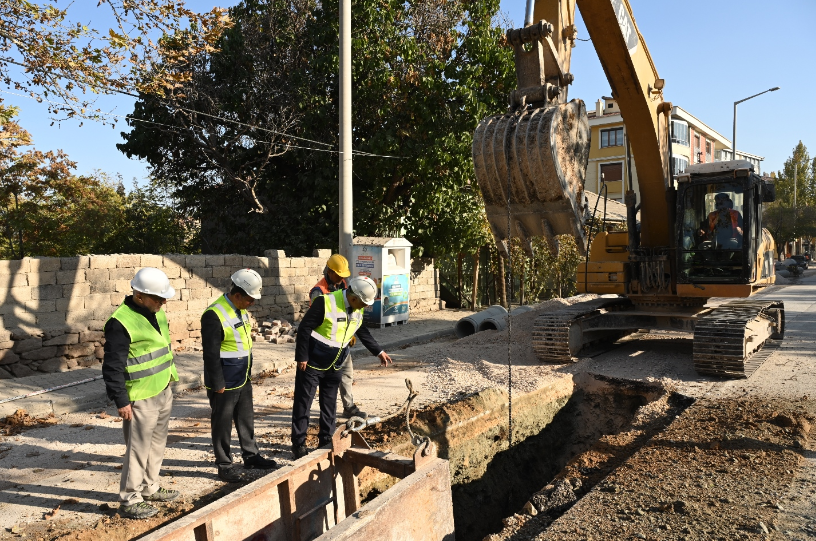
(365, 288)
(250, 281)
(152, 281)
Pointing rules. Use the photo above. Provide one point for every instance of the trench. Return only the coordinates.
(577, 429)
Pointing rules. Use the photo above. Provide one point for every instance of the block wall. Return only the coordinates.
(53, 310)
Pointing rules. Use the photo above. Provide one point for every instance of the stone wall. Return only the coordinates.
(53, 310)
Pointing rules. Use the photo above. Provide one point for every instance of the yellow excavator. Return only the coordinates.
(700, 232)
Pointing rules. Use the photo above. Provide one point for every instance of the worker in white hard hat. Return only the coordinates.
(227, 343)
(334, 278)
(138, 368)
(321, 348)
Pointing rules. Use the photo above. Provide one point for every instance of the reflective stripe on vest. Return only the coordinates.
(237, 342)
(150, 364)
(338, 325)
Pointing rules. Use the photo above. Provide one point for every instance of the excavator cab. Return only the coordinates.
(719, 215)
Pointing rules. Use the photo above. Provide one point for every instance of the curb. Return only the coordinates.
(92, 395)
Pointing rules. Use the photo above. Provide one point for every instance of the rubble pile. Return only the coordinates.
(278, 331)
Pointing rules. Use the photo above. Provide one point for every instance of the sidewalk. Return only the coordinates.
(421, 328)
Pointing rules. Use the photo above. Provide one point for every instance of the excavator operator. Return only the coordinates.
(725, 223)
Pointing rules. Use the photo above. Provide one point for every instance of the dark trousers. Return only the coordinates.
(228, 407)
(306, 383)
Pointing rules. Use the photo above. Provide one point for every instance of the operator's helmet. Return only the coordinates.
(723, 201)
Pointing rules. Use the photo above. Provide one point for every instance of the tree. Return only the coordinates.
(804, 181)
(789, 217)
(45, 209)
(425, 73)
(225, 124)
(149, 224)
(64, 59)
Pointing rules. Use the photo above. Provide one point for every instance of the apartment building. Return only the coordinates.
(692, 142)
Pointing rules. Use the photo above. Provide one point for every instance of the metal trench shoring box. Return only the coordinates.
(387, 261)
(317, 498)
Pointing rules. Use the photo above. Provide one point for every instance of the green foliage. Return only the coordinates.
(789, 218)
(46, 210)
(148, 224)
(804, 181)
(550, 273)
(425, 73)
(65, 59)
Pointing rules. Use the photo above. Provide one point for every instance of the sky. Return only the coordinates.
(711, 53)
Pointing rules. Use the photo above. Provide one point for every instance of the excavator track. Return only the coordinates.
(728, 339)
(551, 335)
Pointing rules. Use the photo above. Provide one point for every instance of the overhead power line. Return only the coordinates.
(178, 130)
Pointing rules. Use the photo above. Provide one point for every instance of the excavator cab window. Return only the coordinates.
(713, 232)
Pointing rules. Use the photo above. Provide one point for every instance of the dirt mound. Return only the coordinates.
(479, 361)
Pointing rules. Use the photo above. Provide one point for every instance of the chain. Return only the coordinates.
(356, 424)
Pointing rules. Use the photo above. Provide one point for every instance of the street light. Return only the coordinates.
(734, 138)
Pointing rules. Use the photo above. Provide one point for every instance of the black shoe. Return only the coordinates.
(260, 462)
(299, 451)
(354, 411)
(229, 475)
(325, 442)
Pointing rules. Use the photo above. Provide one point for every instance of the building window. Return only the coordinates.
(611, 172)
(679, 165)
(680, 132)
(698, 155)
(708, 151)
(612, 138)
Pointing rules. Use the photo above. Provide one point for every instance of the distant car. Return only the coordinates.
(800, 260)
(778, 265)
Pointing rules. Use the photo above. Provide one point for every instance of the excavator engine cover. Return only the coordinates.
(546, 150)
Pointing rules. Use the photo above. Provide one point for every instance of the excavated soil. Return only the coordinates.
(723, 470)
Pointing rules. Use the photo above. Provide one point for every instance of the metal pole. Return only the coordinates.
(795, 174)
(346, 201)
(795, 208)
(734, 138)
(734, 135)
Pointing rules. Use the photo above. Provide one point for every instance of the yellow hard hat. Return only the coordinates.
(339, 264)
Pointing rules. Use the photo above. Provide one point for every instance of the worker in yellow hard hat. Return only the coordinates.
(334, 274)
(337, 268)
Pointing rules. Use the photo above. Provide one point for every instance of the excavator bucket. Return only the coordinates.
(541, 155)
(537, 152)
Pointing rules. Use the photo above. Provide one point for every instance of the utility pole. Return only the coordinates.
(795, 208)
(346, 195)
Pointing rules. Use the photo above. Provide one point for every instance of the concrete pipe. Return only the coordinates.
(472, 324)
(499, 322)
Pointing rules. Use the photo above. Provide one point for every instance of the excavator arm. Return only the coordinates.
(638, 90)
(531, 161)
